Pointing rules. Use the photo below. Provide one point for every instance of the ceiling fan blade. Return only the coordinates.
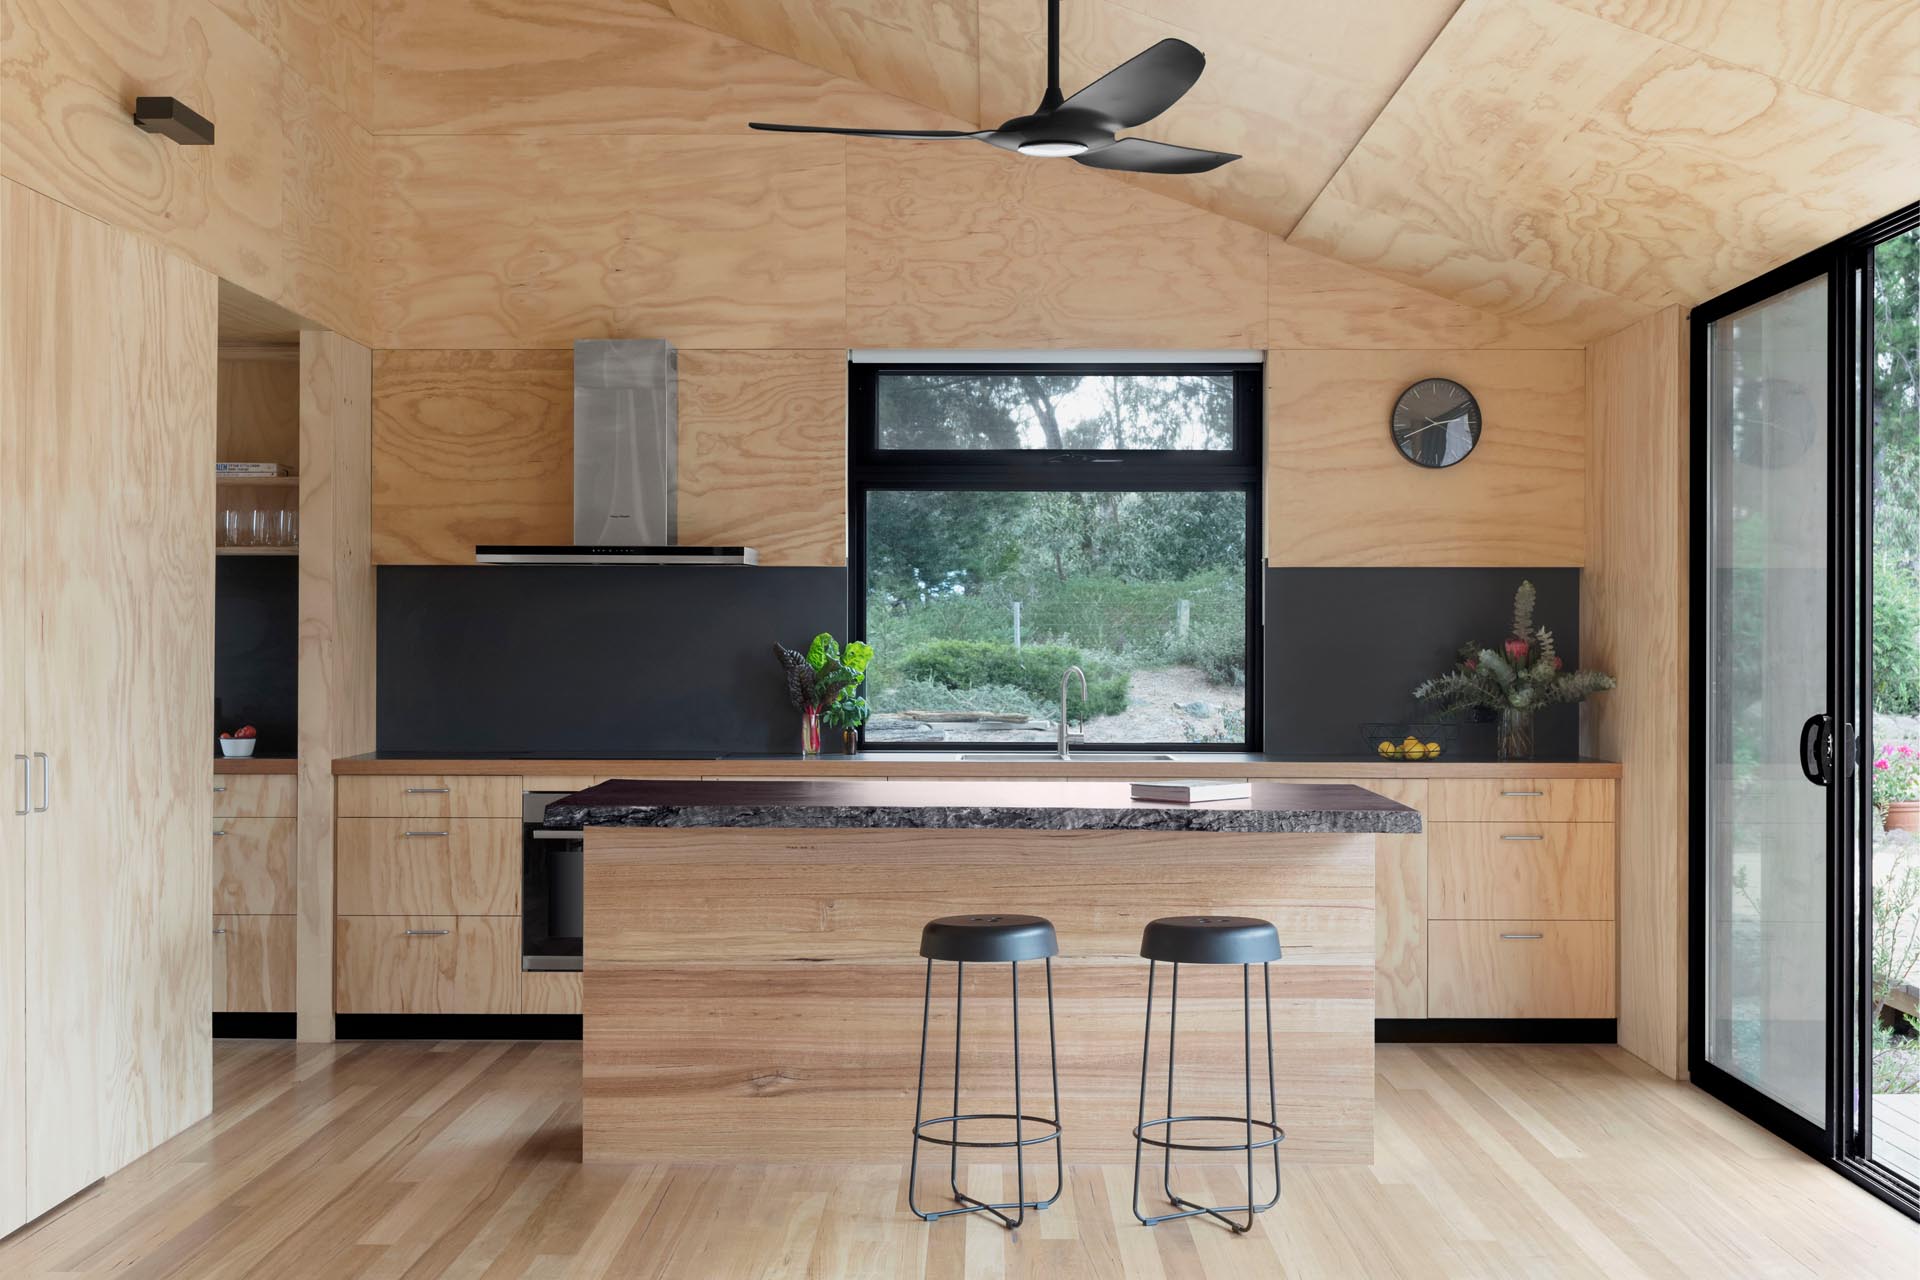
(1143, 86)
(864, 133)
(1139, 155)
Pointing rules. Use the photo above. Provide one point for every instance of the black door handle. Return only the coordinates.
(1815, 735)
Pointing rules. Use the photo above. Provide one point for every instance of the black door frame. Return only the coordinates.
(1843, 1140)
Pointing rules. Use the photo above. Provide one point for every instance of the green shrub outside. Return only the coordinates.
(1035, 669)
(1107, 618)
(1896, 638)
(998, 699)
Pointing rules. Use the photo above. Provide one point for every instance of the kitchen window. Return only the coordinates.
(1013, 518)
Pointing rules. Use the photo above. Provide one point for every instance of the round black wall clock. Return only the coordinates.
(1436, 422)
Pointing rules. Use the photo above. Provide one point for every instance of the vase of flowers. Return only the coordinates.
(1896, 786)
(819, 679)
(1512, 681)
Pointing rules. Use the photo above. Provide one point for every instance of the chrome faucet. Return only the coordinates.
(1064, 676)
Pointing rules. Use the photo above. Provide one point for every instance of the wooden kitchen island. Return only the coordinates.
(753, 986)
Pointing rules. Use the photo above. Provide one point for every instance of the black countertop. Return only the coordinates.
(1274, 807)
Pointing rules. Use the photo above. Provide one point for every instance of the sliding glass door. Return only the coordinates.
(1805, 909)
(1769, 724)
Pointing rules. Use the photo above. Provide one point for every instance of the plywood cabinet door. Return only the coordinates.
(15, 539)
(109, 389)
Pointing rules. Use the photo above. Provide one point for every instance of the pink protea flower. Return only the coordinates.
(1557, 664)
(1516, 649)
(1881, 763)
(1471, 664)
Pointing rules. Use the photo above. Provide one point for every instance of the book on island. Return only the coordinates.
(247, 468)
(1192, 791)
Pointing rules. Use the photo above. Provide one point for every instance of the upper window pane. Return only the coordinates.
(968, 409)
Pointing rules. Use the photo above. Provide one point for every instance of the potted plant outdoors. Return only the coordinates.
(1896, 786)
(819, 678)
(1513, 681)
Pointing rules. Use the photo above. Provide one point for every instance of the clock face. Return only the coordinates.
(1436, 423)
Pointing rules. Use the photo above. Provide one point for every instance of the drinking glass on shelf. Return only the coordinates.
(229, 528)
(258, 530)
(286, 527)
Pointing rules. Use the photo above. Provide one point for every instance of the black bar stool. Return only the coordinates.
(987, 939)
(1179, 940)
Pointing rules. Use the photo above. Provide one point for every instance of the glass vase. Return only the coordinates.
(810, 732)
(1514, 737)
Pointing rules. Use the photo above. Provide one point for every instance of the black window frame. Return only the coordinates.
(1239, 468)
(1844, 1141)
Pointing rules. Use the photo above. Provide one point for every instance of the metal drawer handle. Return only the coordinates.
(423, 835)
(427, 791)
(26, 786)
(1523, 837)
(1518, 794)
(218, 932)
(218, 790)
(217, 834)
(1521, 937)
(46, 781)
(428, 933)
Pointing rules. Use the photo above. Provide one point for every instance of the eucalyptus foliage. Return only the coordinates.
(1523, 674)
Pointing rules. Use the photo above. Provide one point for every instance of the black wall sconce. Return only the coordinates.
(172, 118)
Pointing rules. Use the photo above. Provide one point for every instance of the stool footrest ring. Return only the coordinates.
(1051, 1135)
(1279, 1134)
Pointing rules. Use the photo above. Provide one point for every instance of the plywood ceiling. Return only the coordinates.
(1572, 165)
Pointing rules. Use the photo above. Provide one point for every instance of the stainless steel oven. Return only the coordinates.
(552, 885)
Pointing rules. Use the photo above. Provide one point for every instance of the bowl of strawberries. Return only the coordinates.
(240, 742)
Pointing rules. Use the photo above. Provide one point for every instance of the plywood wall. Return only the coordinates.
(279, 205)
(336, 635)
(1633, 616)
(538, 181)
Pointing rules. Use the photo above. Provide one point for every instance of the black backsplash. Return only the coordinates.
(632, 661)
(1346, 647)
(603, 661)
(256, 646)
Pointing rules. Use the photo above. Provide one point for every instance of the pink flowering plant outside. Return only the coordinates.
(1896, 774)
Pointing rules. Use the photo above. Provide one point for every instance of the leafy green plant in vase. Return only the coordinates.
(1896, 786)
(819, 679)
(1513, 681)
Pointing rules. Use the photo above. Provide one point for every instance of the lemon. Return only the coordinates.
(1388, 750)
(1433, 750)
(1416, 752)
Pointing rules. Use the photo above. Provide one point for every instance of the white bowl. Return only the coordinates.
(236, 746)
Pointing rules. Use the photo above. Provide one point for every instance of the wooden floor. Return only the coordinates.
(396, 1159)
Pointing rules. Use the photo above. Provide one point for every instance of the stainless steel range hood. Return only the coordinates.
(626, 420)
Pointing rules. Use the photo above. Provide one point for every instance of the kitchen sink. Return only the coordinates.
(1087, 758)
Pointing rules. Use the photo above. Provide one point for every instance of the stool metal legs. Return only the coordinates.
(953, 1141)
(1167, 1145)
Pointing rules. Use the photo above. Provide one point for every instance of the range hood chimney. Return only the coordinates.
(626, 420)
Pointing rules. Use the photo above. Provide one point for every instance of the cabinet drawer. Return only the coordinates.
(550, 992)
(255, 795)
(1520, 870)
(253, 866)
(1520, 800)
(429, 796)
(427, 867)
(253, 959)
(427, 964)
(1520, 969)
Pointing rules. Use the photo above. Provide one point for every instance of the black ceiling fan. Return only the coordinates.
(1084, 125)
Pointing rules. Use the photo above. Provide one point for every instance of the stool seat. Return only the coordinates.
(1210, 940)
(988, 939)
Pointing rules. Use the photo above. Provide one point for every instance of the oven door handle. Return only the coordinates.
(545, 834)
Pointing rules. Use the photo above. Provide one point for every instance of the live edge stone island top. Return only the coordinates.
(1077, 805)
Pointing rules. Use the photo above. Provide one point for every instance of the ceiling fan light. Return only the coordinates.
(1045, 148)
